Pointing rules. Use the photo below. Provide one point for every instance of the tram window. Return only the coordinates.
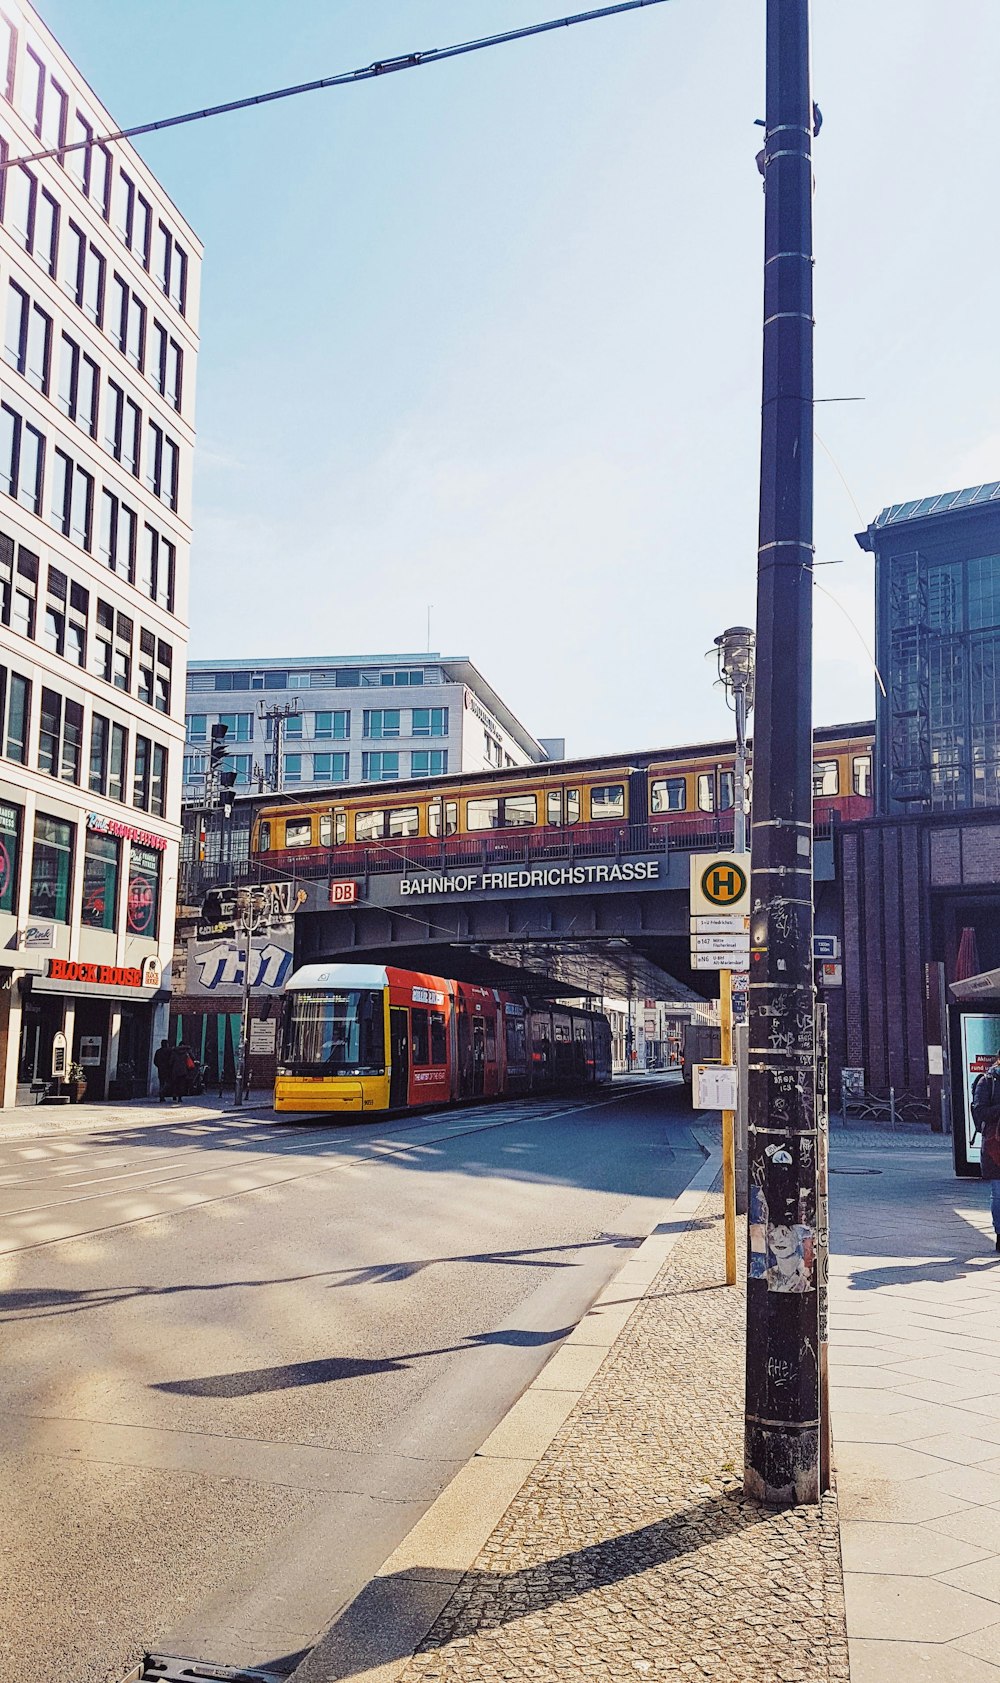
(369, 826)
(706, 791)
(668, 794)
(439, 1054)
(862, 774)
(340, 828)
(420, 1036)
(483, 814)
(450, 818)
(608, 801)
(553, 807)
(726, 792)
(520, 809)
(264, 836)
(561, 1027)
(404, 821)
(326, 830)
(826, 779)
(298, 832)
(491, 1040)
(572, 806)
(517, 1045)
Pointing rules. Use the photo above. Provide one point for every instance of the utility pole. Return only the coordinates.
(782, 1395)
(277, 717)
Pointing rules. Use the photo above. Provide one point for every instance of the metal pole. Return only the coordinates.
(740, 779)
(243, 1060)
(728, 1126)
(782, 1395)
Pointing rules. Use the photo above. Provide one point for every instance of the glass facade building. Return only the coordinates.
(937, 611)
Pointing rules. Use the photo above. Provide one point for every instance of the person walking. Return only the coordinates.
(986, 1116)
(181, 1065)
(161, 1062)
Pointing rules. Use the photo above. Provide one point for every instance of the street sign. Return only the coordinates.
(826, 946)
(720, 923)
(720, 882)
(738, 945)
(714, 1086)
(831, 975)
(719, 961)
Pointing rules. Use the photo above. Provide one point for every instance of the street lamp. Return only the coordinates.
(736, 669)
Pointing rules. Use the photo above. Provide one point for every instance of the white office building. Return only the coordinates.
(99, 278)
(349, 719)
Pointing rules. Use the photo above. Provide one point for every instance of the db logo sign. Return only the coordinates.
(343, 893)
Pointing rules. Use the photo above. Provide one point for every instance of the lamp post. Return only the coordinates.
(781, 1462)
(736, 665)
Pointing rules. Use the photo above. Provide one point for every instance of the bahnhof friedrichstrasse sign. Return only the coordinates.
(541, 876)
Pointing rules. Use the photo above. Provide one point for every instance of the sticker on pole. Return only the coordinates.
(720, 882)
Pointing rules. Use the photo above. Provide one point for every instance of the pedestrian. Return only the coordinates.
(161, 1061)
(181, 1065)
(986, 1117)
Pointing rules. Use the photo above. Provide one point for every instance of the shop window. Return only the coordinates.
(10, 855)
(51, 869)
(100, 881)
(143, 916)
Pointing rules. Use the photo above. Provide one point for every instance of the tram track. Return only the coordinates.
(373, 1150)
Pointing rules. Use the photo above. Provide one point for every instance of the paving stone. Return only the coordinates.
(630, 1551)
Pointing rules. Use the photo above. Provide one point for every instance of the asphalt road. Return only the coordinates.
(241, 1357)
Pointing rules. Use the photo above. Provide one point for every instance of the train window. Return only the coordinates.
(340, 828)
(862, 775)
(326, 830)
(298, 832)
(450, 818)
(420, 1036)
(572, 806)
(369, 826)
(553, 807)
(404, 821)
(826, 778)
(706, 791)
(264, 836)
(608, 801)
(434, 818)
(483, 814)
(439, 1052)
(668, 794)
(520, 809)
(727, 796)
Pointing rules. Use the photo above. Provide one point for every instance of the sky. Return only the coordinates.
(485, 337)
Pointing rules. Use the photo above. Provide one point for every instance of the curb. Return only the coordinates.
(376, 1636)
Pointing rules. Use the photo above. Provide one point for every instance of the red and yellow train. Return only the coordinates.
(365, 1038)
(568, 806)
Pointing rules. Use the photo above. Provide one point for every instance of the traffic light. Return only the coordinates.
(219, 751)
(227, 792)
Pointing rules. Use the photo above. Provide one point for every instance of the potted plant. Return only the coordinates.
(76, 1081)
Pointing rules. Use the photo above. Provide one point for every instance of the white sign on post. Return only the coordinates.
(714, 1086)
(723, 923)
(715, 960)
(737, 945)
(720, 882)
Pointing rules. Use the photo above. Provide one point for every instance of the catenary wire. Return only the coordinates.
(367, 73)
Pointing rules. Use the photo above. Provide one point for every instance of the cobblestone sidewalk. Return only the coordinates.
(630, 1551)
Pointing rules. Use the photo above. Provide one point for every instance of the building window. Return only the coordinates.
(117, 763)
(93, 285)
(141, 773)
(196, 727)
(404, 678)
(293, 727)
(330, 768)
(51, 869)
(8, 57)
(429, 762)
(333, 727)
(49, 733)
(430, 721)
(97, 777)
(27, 338)
(376, 768)
(20, 189)
(826, 778)
(22, 453)
(158, 781)
(240, 726)
(381, 722)
(10, 855)
(46, 250)
(100, 881)
(18, 719)
(143, 913)
(293, 768)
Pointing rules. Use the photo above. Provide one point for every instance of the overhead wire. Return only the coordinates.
(344, 78)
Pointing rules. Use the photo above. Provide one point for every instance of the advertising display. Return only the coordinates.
(980, 1042)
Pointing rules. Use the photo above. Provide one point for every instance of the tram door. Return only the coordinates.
(399, 1040)
(478, 1055)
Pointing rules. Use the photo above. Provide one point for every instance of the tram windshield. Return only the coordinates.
(335, 1033)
